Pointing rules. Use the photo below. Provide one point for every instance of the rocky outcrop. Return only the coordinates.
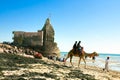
(10, 49)
(14, 50)
(51, 49)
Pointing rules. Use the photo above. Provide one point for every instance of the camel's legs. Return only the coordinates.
(84, 61)
(66, 59)
(71, 60)
(79, 61)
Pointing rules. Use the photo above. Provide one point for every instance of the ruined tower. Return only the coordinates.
(49, 46)
(43, 40)
(48, 32)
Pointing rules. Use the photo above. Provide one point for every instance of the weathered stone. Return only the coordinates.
(43, 40)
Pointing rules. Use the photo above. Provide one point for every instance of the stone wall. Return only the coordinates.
(28, 38)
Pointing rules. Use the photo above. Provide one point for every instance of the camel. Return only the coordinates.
(72, 53)
(81, 55)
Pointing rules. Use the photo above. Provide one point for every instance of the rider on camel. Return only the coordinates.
(79, 47)
(82, 50)
(75, 47)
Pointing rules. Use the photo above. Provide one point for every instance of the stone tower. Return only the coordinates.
(48, 32)
(42, 41)
(49, 46)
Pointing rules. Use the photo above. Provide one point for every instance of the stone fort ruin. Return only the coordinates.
(42, 41)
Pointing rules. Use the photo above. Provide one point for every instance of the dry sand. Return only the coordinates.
(16, 67)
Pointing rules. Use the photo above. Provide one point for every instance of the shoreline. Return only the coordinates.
(97, 72)
(99, 62)
(87, 64)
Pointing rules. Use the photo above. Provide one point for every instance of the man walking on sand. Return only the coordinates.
(106, 65)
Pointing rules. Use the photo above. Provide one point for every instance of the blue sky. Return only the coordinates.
(94, 22)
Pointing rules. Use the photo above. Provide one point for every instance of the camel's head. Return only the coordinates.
(95, 54)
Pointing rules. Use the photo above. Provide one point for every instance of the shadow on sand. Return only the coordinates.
(11, 62)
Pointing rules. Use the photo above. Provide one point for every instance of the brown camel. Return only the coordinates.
(81, 55)
(72, 53)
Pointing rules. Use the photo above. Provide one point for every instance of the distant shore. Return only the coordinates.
(27, 67)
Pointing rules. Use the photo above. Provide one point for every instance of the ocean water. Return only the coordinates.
(114, 61)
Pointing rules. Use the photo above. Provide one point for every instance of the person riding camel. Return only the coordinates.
(82, 50)
(74, 47)
(79, 47)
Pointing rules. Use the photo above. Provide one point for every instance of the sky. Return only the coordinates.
(96, 23)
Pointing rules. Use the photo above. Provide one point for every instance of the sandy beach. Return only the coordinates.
(25, 67)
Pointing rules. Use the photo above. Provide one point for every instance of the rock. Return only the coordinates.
(1, 50)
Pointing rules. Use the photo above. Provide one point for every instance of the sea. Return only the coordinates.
(114, 60)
